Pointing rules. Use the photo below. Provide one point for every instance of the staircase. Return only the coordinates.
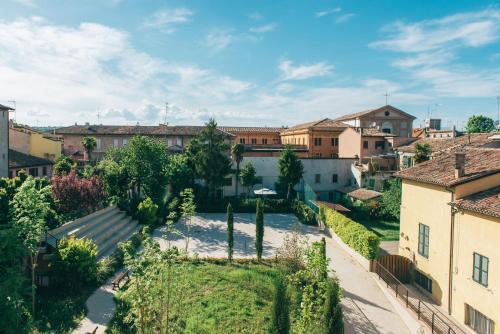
(106, 227)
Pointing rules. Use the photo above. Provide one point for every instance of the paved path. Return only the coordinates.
(101, 307)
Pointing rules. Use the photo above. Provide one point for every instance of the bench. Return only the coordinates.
(94, 331)
(120, 277)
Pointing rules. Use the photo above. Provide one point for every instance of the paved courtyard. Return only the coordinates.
(209, 234)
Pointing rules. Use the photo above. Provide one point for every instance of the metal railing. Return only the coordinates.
(437, 322)
(50, 239)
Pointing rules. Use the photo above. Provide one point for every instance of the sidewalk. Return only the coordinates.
(366, 309)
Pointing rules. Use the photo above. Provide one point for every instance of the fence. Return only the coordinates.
(437, 322)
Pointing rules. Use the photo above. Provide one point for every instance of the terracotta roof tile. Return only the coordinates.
(486, 202)
(235, 129)
(445, 145)
(21, 160)
(320, 124)
(374, 132)
(479, 162)
(158, 130)
(364, 194)
(369, 111)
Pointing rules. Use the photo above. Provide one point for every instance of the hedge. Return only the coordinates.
(352, 233)
(244, 206)
(304, 213)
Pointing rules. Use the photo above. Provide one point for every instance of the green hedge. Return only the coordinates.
(353, 234)
(244, 206)
(304, 213)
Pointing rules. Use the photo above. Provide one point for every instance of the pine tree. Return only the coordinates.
(230, 237)
(281, 318)
(259, 229)
(333, 311)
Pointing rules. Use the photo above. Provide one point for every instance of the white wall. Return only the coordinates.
(267, 168)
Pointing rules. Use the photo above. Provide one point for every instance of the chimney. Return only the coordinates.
(459, 164)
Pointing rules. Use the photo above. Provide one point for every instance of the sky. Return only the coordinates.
(254, 63)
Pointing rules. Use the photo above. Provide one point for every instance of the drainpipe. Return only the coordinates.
(450, 275)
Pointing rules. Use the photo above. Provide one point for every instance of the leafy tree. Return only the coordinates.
(280, 323)
(480, 124)
(230, 236)
(115, 179)
(422, 153)
(247, 177)
(291, 169)
(146, 212)
(89, 144)
(179, 173)
(30, 206)
(237, 152)
(391, 199)
(4, 206)
(63, 165)
(333, 310)
(259, 229)
(209, 155)
(73, 193)
(188, 210)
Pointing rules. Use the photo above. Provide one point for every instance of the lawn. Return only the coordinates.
(386, 229)
(219, 298)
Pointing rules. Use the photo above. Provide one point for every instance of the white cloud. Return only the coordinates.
(326, 12)
(264, 28)
(218, 39)
(424, 59)
(256, 16)
(472, 29)
(290, 72)
(344, 18)
(166, 19)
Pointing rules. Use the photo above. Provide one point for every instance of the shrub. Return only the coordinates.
(332, 309)
(75, 264)
(146, 212)
(259, 229)
(353, 234)
(230, 237)
(244, 205)
(280, 323)
(304, 213)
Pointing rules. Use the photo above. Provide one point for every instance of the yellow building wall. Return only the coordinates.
(45, 148)
(478, 185)
(427, 204)
(481, 234)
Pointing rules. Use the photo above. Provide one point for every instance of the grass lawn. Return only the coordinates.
(220, 298)
(386, 229)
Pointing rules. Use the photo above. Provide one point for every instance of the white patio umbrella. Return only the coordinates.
(264, 192)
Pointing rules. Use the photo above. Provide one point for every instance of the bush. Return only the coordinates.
(304, 213)
(146, 212)
(353, 234)
(76, 262)
(244, 205)
(280, 323)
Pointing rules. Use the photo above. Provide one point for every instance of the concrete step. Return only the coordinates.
(103, 225)
(109, 246)
(110, 250)
(112, 229)
(83, 222)
(82, 229)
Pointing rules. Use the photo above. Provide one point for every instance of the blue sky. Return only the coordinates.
(246, 62)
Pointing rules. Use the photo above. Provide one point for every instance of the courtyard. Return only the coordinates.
(208, 235)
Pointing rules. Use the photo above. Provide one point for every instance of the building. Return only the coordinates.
(450, 228)
(320, 138)
(387, 119)
(29, 141)
(32, 165)
(4, 140)
(254, 136)
(176, 137)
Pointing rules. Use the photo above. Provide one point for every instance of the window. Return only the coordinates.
(403, 125)
(335, 142)
(317, 141)
(98, 143)
(317, 155)
(264, 141)
(254, 141)
(480, 269)
(33, 172)
(423, 281)
(387, 113)
(478, 321)
(44, 170)
(317, 178)
(379, 145)
(371, 184)
(335, 178)
(115, 142)
(242, 140)
(125, 141)
(423, 240)
(365, 144)
(407, 161)
(334, 155)
(169, 142)
(179, 141)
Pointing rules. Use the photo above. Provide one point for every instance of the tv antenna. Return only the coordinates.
(166, 110)
(386, 97)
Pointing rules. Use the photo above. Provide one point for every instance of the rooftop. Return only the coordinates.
(445, 145)
(2, 107)
(325, 123)
(479, 162)
(374, 132)
(485, 202)
(21, 160)
(362, 194)
(234, 129)
(369, 111)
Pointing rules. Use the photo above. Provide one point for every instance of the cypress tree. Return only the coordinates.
(259, 229)
(281, 317)
(332, 310)
(323, 253)
(230, 237)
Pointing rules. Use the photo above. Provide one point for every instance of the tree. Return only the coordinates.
(291, 169)
(209, 155)
(332, 309)
(30, 207)
(237, 152)
(230, 236)
(259, 229)
(179, 173)
(188, 210)
(280, 323)
(247, 176)
(89, 144)
(480, 124)
(422, 153)
(391, 199)
(114, 178)
(63, 165)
